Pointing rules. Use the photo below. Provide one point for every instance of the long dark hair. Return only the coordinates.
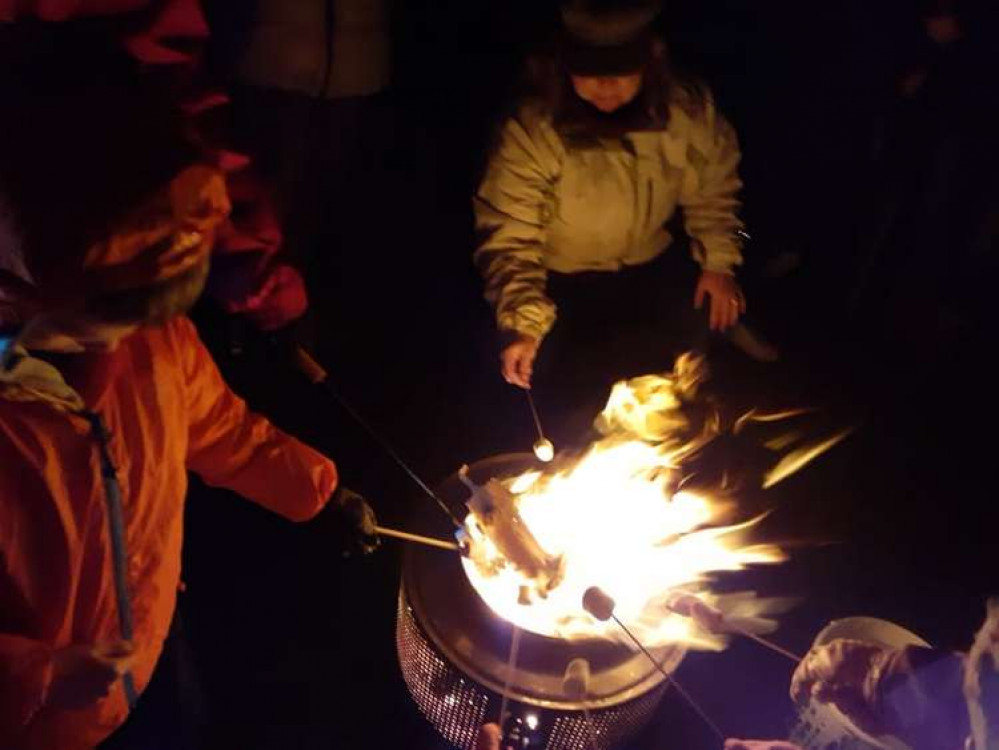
(549, 85)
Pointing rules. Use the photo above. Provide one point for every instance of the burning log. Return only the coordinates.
(495, 514)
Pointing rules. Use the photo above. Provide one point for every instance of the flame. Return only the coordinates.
(618, 520)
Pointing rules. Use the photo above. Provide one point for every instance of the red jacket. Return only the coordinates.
(249, 275)
(168, 411)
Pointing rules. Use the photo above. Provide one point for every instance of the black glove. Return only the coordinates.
(354, 522)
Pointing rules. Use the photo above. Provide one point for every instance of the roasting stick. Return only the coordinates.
(511, 667)
(713, 620)
(317, 375)
(576, 686)
(777, 649)
(544, 449)
(416, 538)
(672, 679)
(601, 606)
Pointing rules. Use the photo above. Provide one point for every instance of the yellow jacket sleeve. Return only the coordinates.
(513, 206)
(710, 190)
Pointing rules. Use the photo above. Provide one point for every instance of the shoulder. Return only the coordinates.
(531, 126)
(696, 120)
(691, 106)
(526, 147)
(175, 334)
(165, 349)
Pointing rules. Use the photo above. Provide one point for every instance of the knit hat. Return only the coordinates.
(607, 37)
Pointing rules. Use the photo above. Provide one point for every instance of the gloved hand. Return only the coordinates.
(846, 673)
(353, 520)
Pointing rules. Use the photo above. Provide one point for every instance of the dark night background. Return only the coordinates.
(296, 646)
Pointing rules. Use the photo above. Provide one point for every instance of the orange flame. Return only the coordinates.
(617, 520)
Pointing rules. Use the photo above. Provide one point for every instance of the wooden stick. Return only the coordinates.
(406, 536)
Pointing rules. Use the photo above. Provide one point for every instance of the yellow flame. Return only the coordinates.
(618, 521)
(798, 459)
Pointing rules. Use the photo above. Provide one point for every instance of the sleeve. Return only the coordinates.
(25, 673)
(921, 698)
(981, 681)
(513, 206)
(710, 193)
(25, 662)
(230, 446)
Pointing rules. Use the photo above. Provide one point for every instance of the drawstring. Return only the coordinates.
(116, 529)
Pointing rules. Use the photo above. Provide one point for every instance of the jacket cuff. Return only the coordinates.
(512, 325)
(717, 255)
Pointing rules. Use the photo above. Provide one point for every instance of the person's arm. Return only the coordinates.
(914, 694)
(981, 680)
(25, 661)
(230, 446)
(709, 196)
(513, 207)
(34, 673)
(25, 673)
(921, 700)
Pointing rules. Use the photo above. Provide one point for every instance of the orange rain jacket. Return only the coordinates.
(167, 410)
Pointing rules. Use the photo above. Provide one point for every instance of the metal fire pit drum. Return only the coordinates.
(453, 653)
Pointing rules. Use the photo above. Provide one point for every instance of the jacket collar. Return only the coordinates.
(27, 378)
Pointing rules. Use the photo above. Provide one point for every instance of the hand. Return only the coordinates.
(356, 515)
(83, 675)
(517, 360)
(760, 745)
(727, 302)
(488, 738)
(844, 673)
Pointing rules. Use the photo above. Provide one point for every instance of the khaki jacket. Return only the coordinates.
(545, 204)
(294, 46)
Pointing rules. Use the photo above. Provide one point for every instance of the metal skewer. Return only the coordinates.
(511, 668)
(317, 375)
(766, 643)
(725, 625)
(417, 538)
(601, 606)
(543, 448)
(534, 413)
(671, 679)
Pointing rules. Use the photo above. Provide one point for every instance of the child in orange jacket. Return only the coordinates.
(107, 399)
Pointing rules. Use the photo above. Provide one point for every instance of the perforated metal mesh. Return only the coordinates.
(609, 727)
(457, 706)
(817, 729)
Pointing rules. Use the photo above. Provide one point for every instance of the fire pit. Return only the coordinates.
(453, 651)
(570, 566)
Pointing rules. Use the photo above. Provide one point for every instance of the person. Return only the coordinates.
(575, 210)
(250, 276)
(924, 272)
(107, 399)
(928, 698)
(312, 106)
